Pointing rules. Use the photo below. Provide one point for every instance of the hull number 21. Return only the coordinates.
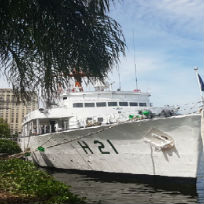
(101, 147)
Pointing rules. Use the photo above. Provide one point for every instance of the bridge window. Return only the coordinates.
(133, 104)
(112, 103)
(142, 104)
(101, 104)
(100, 120)
(123, 103)
(89, 105)
(77, 105)
(64, 98)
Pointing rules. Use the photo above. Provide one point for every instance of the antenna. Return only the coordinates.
(117, 67)
(135, 61)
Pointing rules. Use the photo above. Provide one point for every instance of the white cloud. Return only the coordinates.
(181, 8)
(169, 82)
(168, 44)
(147, 66)
(181, 17)
(144, 61)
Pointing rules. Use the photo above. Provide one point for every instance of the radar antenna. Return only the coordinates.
(135, 61)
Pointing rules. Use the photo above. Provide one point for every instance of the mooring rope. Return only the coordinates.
(189, 107)
(81, 137)
(78, 138)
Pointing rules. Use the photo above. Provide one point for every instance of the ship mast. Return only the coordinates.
(136, 85)
(77, 75)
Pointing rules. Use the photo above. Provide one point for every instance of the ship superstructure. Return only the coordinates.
(82, 109)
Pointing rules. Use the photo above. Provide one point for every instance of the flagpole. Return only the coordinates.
(201, 84)
(201, 92)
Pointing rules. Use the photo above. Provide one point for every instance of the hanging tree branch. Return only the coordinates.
(41, 41)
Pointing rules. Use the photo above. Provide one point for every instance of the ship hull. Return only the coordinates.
(121, 148)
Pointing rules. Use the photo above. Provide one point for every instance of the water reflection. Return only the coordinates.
(200, 191)
(200, 182)
(116, 189)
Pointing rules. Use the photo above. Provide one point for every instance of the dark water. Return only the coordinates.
(117, 189)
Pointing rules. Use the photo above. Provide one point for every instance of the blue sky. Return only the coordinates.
(168, 38)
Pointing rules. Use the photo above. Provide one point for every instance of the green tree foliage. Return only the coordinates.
(9, 147)
(42, 41)
(22, 178)
(4, 129)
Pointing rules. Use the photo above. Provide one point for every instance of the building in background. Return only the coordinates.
(13, 112)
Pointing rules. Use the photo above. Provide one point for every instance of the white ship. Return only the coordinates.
(116, 132)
